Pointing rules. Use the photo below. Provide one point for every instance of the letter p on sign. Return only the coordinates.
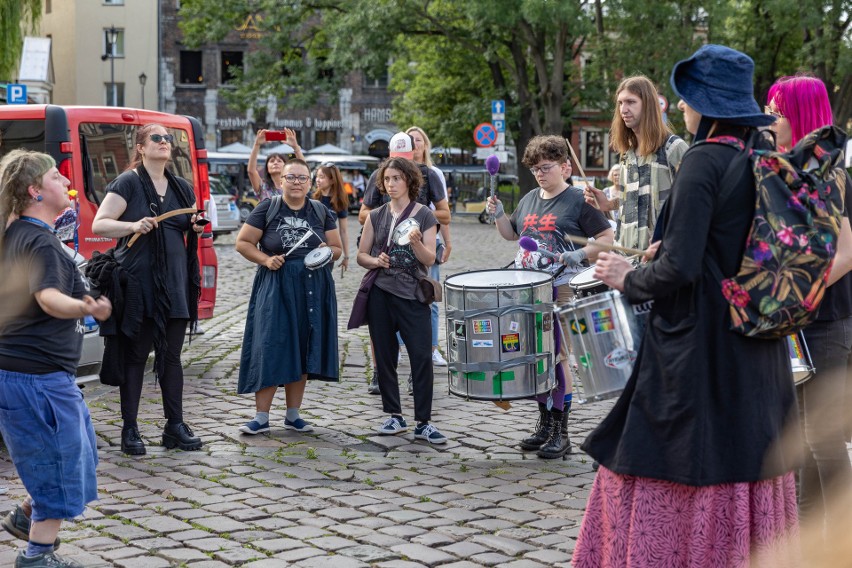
(16, 94)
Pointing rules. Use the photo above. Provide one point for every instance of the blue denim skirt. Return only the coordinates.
(46, 427)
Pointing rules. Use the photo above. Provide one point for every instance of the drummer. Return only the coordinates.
(547, 214)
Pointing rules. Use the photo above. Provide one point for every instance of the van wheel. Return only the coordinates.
(245, 211)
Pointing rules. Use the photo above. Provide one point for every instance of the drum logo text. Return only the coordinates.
(510, 342)
(619, 358)
(602, 321)
(482, 326)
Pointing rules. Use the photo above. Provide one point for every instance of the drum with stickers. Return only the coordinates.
(500, 334)
(605, 332)
(584, 283)
(800, 358)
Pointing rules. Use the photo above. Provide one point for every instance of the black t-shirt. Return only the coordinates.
(289, 226)
(432, 190)
(34, 342)
(326, 200)
(837, 302)
(139, 259)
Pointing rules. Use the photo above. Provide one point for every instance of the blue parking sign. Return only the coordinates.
(16, 94)
(498, 107)
(499, 125)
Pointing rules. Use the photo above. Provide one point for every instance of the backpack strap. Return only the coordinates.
(319, 209)
(274, 207)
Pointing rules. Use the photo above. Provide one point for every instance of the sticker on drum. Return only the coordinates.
(579, 327)
(482, 326)
(602, 321)
(459, 329)
(402, 232)
(483, 343)
(514, 326)
(510, 343)
(619, 358)
(318, 258)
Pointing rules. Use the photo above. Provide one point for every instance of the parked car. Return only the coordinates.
(227, 218)
(89, 367)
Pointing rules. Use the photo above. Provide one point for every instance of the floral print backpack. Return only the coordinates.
(793, 238)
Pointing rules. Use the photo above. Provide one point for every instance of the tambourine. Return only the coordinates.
(402, 232)
(318, 258)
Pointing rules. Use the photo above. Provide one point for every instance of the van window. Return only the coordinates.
(27, 134)
(109, 148)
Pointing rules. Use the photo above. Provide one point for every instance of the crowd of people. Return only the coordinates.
(698, 443)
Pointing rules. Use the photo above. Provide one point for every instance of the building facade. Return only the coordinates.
(89, 68)
(192, 81)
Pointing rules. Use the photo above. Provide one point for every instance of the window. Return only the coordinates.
(48, 6)
(231, 60)
(191, 70)
(119, 43)
(594, 151)
(116, 98)
(326, 137)
(380, 82)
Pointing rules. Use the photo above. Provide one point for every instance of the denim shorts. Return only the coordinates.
(47, 429)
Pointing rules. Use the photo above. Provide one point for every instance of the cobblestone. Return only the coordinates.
(340, 496)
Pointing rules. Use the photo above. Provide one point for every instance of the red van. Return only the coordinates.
(93, 145)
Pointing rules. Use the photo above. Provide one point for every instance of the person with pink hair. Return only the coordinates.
(800, 105)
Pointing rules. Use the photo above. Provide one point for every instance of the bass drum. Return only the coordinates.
(500, 334)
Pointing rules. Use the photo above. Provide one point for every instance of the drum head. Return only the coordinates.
(318, 258)
(497, 278)
(584, 279)
(402, 232)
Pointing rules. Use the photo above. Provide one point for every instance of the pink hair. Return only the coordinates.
(803, 101)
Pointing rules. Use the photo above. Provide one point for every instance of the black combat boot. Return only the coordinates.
(180, 436)
(131, 442)
(542, 430)
(559, 444)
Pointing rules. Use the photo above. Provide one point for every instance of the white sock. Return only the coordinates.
(292, 414)
(262, 417)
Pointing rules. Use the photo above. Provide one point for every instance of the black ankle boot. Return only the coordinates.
(559, 444)
(542, 430)
(180, 436)
(131, 442)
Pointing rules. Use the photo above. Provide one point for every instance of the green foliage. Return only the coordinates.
(17, 18)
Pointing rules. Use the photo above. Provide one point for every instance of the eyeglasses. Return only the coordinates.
(545, 169)
(770, 112)
(296, 179)
(162, 137)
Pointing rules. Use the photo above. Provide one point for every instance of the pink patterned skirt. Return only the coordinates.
(638, 522)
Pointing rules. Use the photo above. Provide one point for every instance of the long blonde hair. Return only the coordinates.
(427, 144)
(20, 169)
(653, 132)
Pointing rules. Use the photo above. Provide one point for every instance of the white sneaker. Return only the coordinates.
(438, 359)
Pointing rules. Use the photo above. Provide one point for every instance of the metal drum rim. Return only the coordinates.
(448, 284)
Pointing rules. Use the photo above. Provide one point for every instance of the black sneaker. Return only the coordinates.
(180, 436)
(429, 433)
(17, 524)
(373, 387)
(131, 442)
(392, 426)
(45, 560)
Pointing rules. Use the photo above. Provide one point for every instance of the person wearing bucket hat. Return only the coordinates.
(692, 451)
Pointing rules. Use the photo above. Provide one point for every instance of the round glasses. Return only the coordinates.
(545, 169)
(296, 179)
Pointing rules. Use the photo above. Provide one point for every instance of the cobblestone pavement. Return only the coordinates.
(341, 496)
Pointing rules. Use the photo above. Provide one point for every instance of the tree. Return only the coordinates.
(17, 17)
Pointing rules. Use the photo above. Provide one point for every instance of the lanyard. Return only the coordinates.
(38, 222)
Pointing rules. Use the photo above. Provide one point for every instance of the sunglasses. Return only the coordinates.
(328, 165)
(771, 112)
(162, 137)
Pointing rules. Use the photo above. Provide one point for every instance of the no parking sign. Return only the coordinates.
(485, 135)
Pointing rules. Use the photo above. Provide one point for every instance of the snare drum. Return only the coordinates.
(800, 358)
(318, 258)
(500, 334)
(605, 332)
(585, 284)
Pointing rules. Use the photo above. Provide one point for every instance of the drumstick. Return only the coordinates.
(163, 217)
(305, 237)
(583, 242)
(577, 161)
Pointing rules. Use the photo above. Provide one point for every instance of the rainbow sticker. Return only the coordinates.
(602, 321)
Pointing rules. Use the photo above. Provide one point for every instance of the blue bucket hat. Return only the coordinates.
(717, 82)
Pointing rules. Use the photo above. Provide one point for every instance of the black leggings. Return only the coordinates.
(171, 383)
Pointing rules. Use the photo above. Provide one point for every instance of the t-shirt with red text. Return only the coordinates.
(547, 221)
